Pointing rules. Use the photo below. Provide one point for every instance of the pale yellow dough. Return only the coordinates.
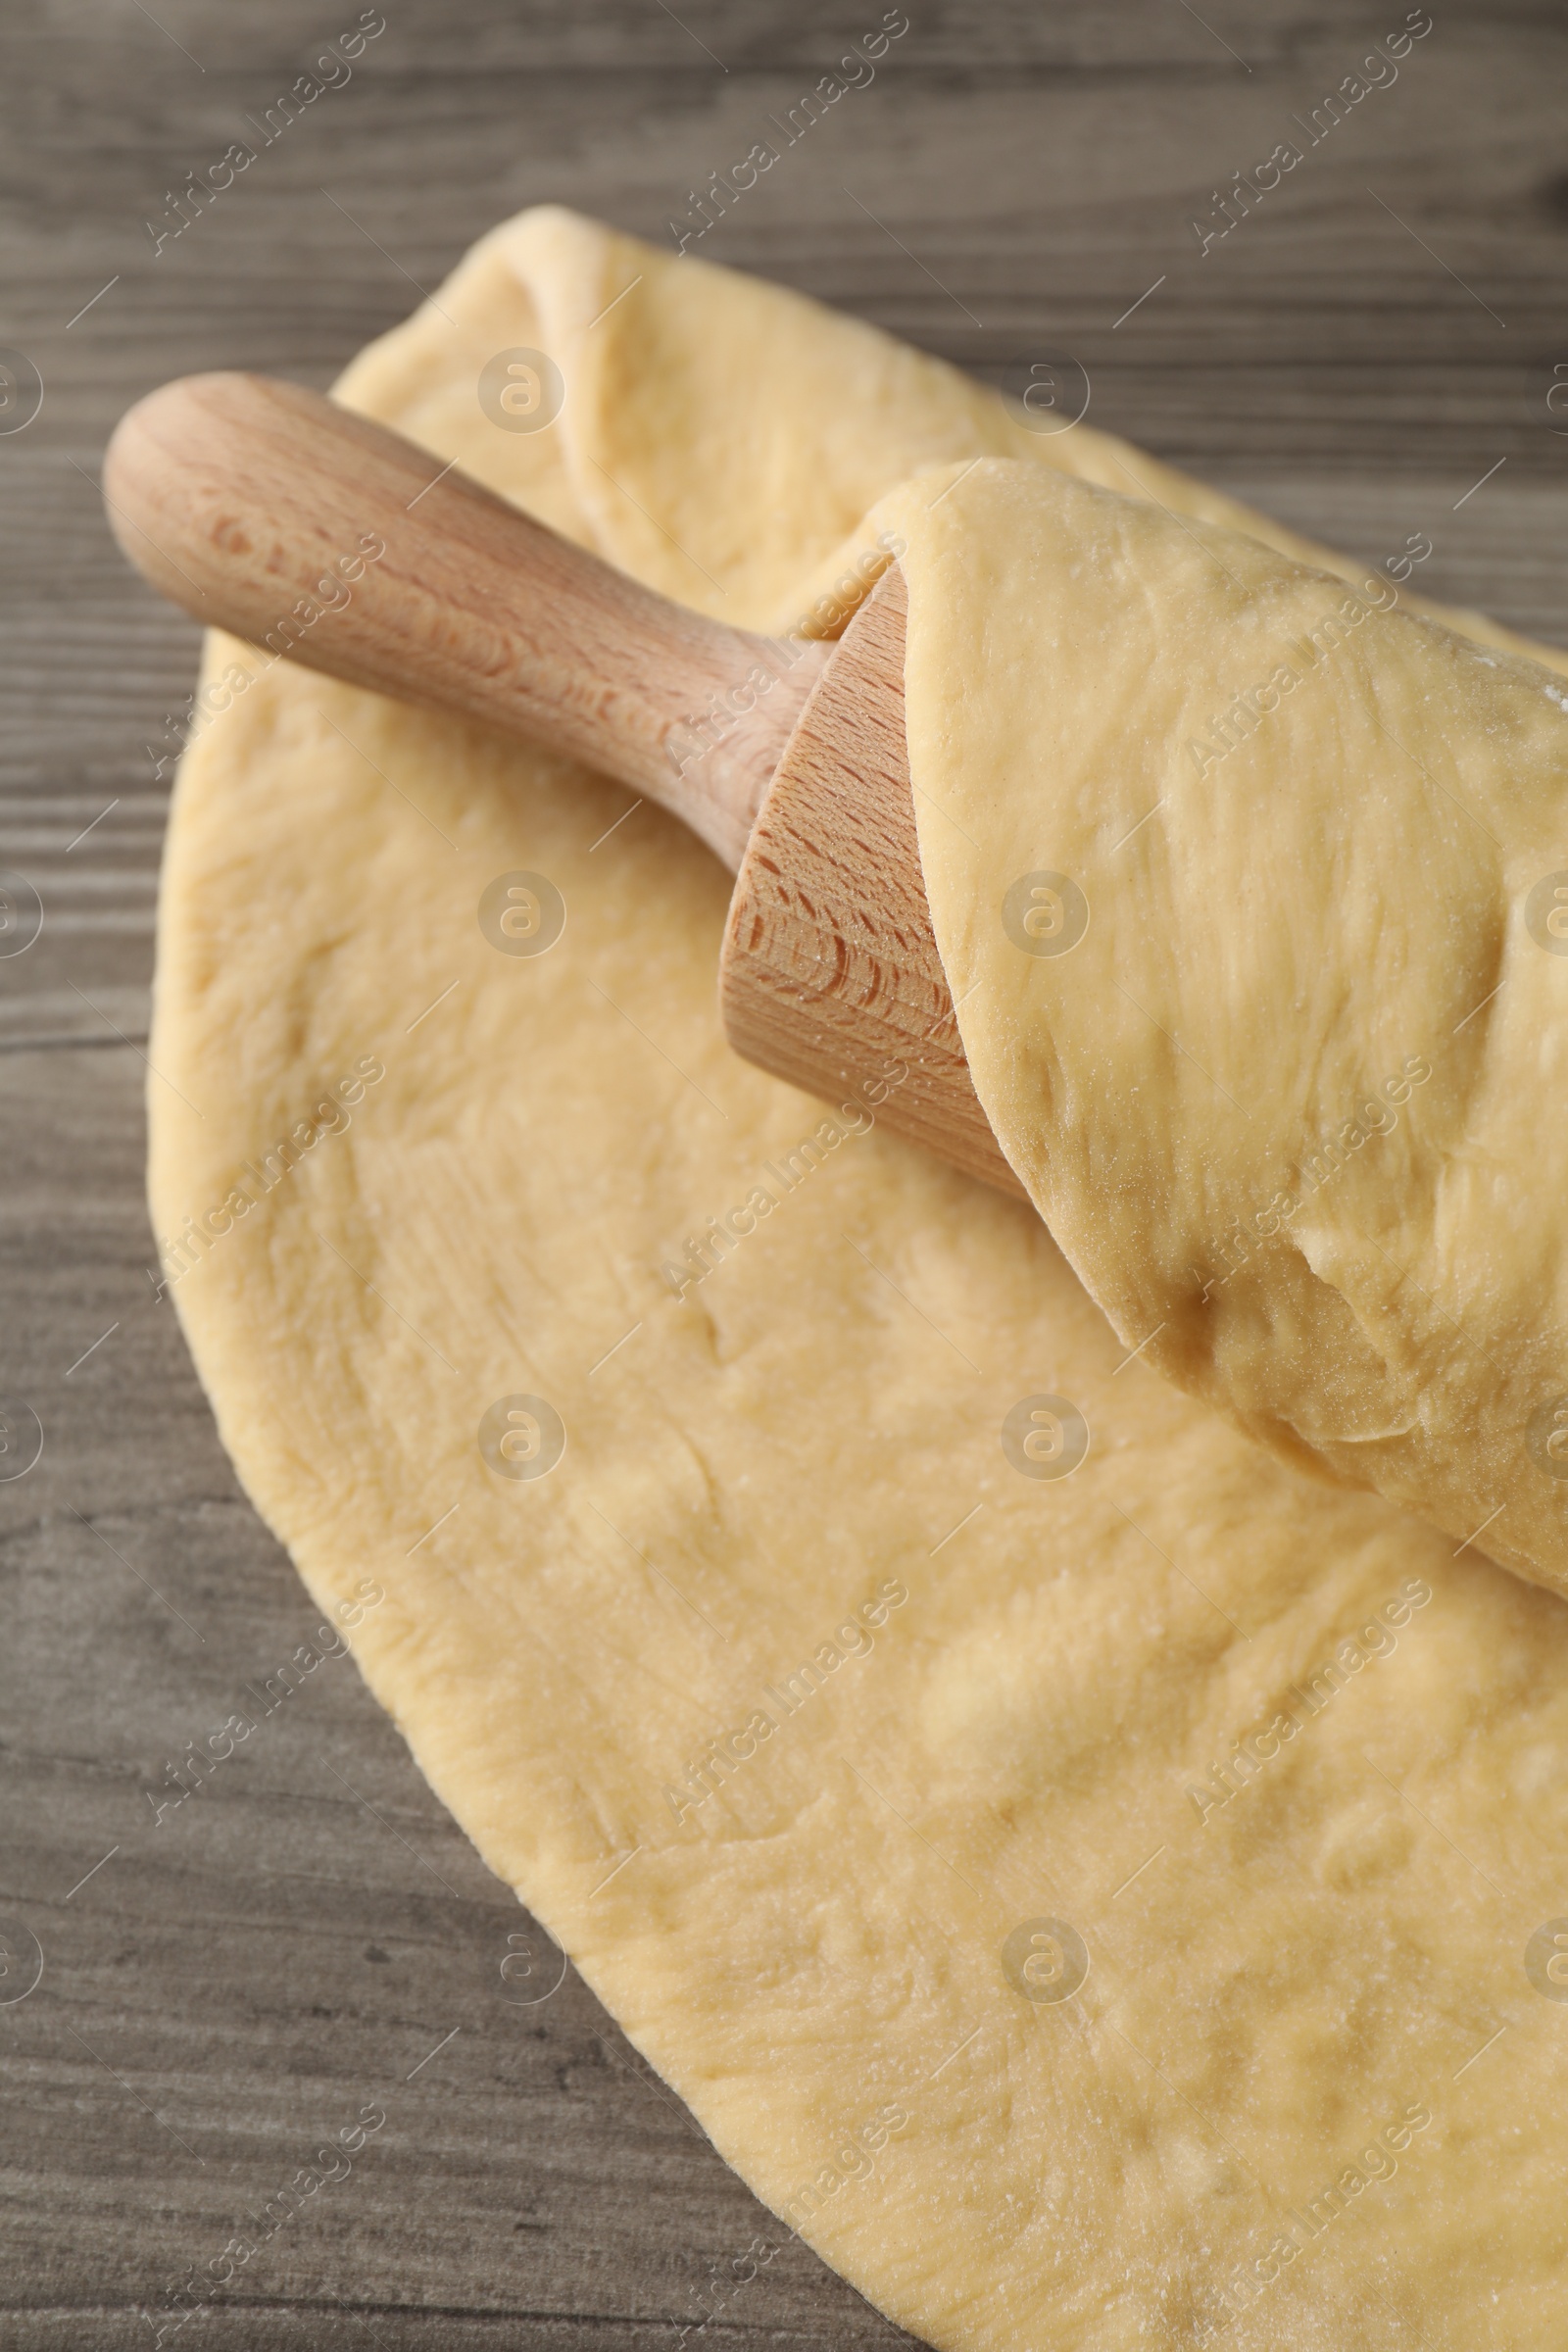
(1276, 2044)
(1293, 1103)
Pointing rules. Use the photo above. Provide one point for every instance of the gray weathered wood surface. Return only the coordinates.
(232, 1985)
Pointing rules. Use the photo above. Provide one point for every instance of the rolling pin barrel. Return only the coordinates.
(266, 510)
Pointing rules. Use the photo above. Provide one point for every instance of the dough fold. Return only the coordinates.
(1250, 889)
(1096, 1910)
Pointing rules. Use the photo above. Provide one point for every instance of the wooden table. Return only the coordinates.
(1370, 351)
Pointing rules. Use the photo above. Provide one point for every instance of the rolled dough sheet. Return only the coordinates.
(1096, 1910)
(1283, 1060)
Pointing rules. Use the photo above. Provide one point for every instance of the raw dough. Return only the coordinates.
(1308, 2092)
(1293, 1103)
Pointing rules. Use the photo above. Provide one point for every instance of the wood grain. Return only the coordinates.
(262, 1962)
(830, 975)
(261, 509)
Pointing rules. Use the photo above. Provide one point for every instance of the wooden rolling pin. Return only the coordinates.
(233, 493)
